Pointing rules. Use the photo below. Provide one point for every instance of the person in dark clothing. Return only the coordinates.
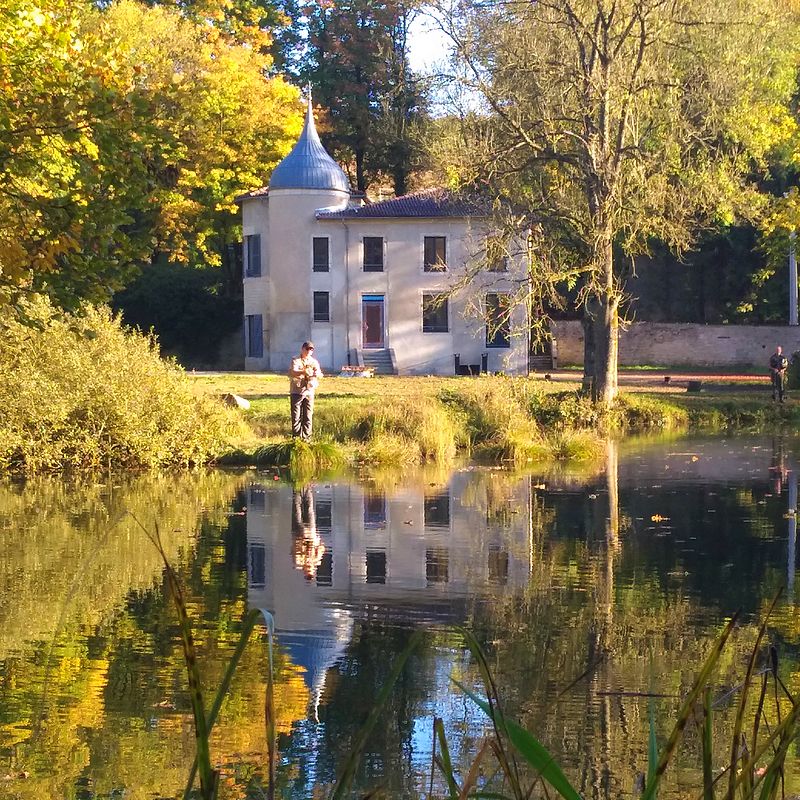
(778, 364)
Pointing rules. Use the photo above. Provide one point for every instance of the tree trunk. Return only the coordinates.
(587, 387)
(606, 348)
(361, 178)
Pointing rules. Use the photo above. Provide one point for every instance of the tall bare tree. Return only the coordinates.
(613, 123)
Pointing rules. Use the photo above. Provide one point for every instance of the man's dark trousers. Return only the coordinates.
(778, 385)
(302, 414)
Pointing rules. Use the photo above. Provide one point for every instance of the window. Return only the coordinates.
(434, 313)
(258, 498)
(498, 565)
(322, 307)
(437, 511)
(498, 324)
(252, 255)
(435, 254)
(376, 566)
(322, 255)
(496, 256)
(258, 565)
(374, 511)
(325, 570)
(324, 515)
(373, 254)
(255, 336)
(437, 565)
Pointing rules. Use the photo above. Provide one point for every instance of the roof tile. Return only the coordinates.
(429, 203)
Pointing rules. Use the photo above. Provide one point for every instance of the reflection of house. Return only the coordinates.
(367, 282)
(410, 553)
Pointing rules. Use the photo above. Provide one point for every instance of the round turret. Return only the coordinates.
(309, 166)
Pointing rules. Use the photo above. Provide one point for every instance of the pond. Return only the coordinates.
(588, 589)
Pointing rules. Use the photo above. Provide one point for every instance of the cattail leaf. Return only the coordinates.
(652, 744)
(444, 761)
(248, 623)
(736, 739)
(345, 779)
(707, 742)
(530, 748)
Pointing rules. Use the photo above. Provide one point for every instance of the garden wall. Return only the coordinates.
(685, 344)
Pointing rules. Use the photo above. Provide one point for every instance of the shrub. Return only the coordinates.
(564, 411)
(638, 412)
(83, 392)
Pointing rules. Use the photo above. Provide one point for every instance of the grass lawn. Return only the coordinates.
(269, 395)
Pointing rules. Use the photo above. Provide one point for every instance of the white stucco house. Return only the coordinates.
(367, 282)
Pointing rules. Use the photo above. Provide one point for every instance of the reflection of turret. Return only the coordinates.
(317, 651)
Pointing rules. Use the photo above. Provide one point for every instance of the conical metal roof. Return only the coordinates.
(309, 166)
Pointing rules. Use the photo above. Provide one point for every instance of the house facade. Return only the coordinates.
(372, 284)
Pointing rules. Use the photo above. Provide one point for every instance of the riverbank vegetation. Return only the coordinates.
(84, 393)
(515, 421)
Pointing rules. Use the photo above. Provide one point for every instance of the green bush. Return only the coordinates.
(564, 411)
(83, 392)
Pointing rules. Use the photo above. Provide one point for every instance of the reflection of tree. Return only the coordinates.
(620, 617)
(81, 617)
(307, 546)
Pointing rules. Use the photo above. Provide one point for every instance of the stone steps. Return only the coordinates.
(379, 360)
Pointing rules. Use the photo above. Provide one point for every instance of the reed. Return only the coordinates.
(756, 764)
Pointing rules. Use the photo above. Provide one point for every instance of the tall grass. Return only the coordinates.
(496, 422)
(394, 432)
(300, 457)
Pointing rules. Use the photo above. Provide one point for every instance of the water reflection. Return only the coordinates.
(622, 575)
(415, 547)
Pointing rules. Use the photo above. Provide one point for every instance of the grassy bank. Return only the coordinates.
(410, 420)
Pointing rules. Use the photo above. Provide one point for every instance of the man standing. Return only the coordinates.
(304, 377)
(778, 364)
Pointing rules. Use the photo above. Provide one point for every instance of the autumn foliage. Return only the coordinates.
(128, 131)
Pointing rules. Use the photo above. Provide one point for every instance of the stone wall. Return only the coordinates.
(685, 344)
